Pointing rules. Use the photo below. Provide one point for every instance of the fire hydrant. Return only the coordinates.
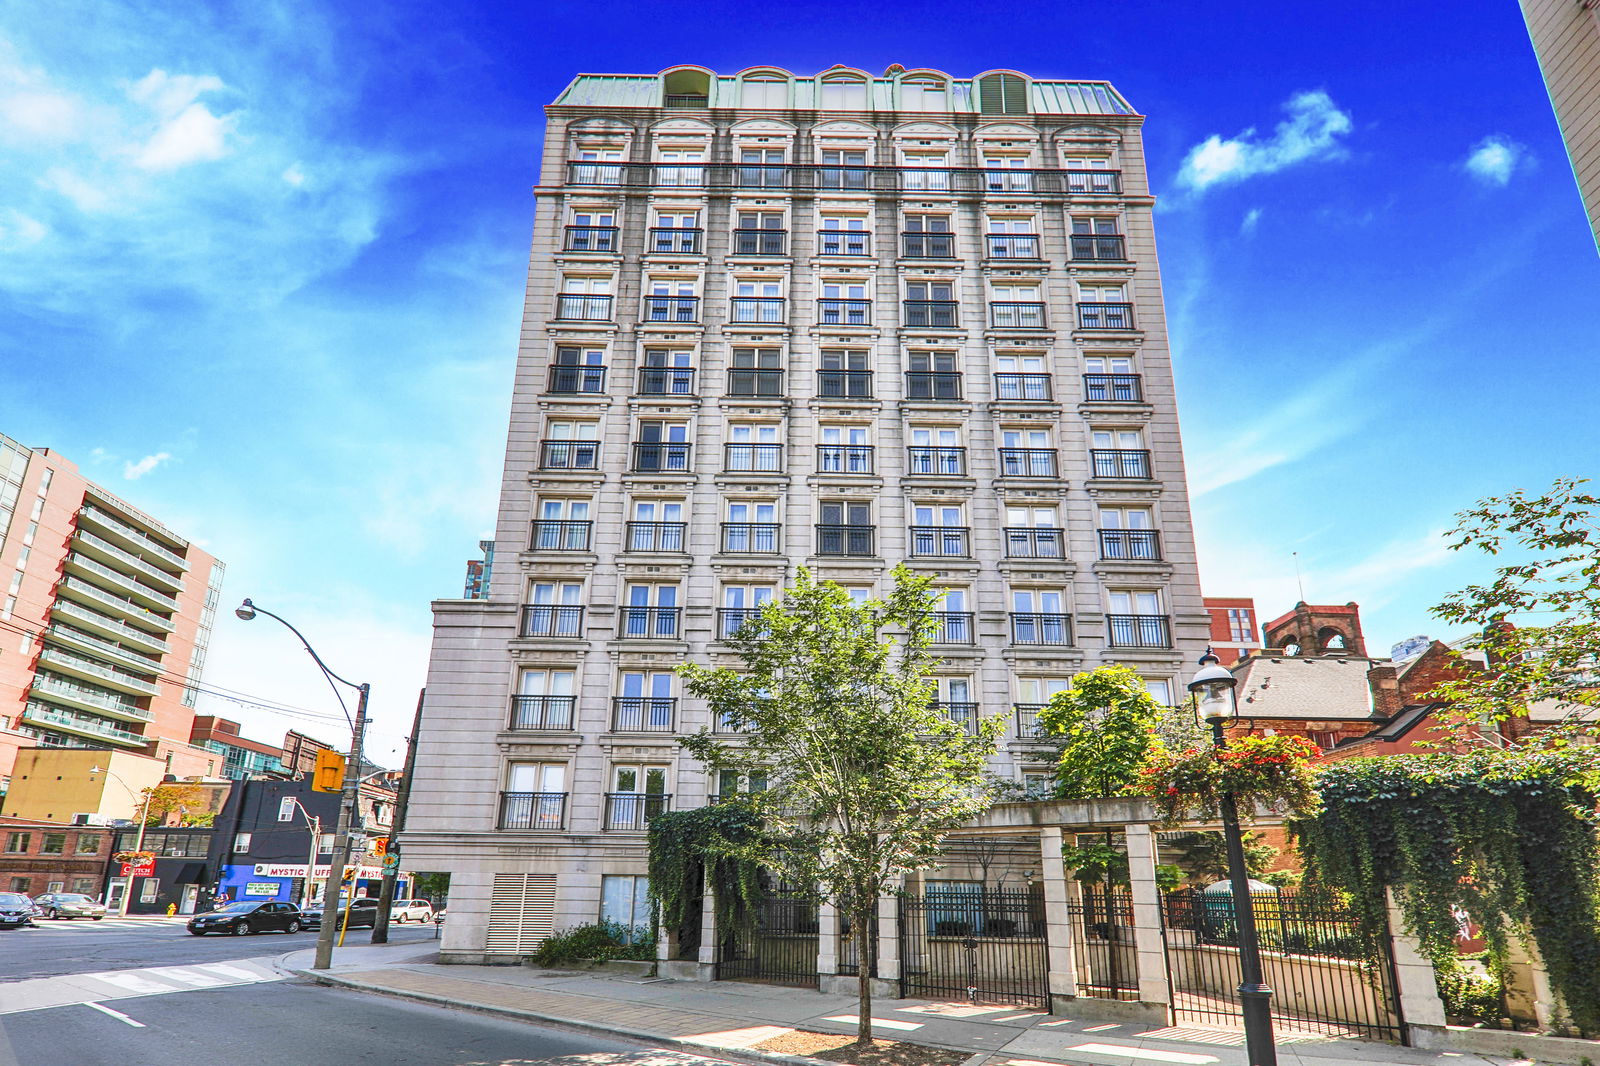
(172, 908)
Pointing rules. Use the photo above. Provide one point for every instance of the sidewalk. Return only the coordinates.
(726, 1018)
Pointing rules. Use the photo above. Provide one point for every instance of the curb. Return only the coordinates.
(753, 1056)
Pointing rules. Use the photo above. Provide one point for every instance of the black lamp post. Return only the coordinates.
(1213, 687)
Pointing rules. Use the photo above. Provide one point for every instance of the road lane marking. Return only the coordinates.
(129, 983)
(117, 1014)
(193, 976)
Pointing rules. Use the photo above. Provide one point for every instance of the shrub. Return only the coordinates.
(1468, 995)
(597, 941)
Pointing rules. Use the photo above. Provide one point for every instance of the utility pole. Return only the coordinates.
(341, 857)
(138, 846)
(380, 927)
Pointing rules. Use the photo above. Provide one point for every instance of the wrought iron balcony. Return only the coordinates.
(1105, 316)
(813, 176)
(632, 811)
(1013, 245)
(1034, 628)
(533, 810)
(730, 619)
(723, 724)
(752, 458)
(544, 712)
(759, 242)
(843, 178)
(1122, 464)
(1098, 246)
(834, 539)
(655, 536)
(666, 381)
(845, 458)
(1093, 182)
(844, 384)
(591, 239)
(560, 535)
(1139, 630)
(1035, 542)
(1027, 720)
(1012, 314)
(928, 245)
(661, 457)
(671, 308)
(936, 461)
(764, 384)
(844, 242)
(834, 312)
(933, 384)
(675, 241)
(648, 623)
(552, 620)
(684, 100)
(1024, 387)
(760, 310)
(1138, 544)
(572, 380)
(643, 714)
(751, 538)
(1113, 388)
(569, 455)
(955, 627)
(940, 542)
(1028, 462)
(578, 307)
(939, 314)
(963, 713)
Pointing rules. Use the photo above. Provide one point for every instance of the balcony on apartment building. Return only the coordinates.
(963, 713)
(837, 539)
(955, 627)
(843, 242)
(133, 538)
(936, 462)
(1101, 247)
(760, 242)
(1092, 182)
(1012, 245)
(930, 314)
(1143, 545)
(933, 384)
(751, 538)
(590, 239)
(845, 458)
(1026, 388)
(89, 545)
(124, 584)
(648, 623)
(731, 619)
(764, 383)
(1106, 316)
(759, 310)
(1016, 314)
(667, 240)
(928, 245)
(661, 457)
(557, 713)
(1028, 463)
(1034, 542)
(568, 380)
(666, 381)
(941, 542)
(1027, 720)
(83, 725)
(569, 455)
(632, 811)
(835, 312)
(92, 595)
(89, 698)
(583, 307)
(1036, 629)
(655, 537)
(1139, 630)
(844, 384)
(680, 310)
(107, 626)
(560, 535)
(1120, 464)
(552, 620)
(643, 714)
(752, 458)
(533, 810)
(1113, 388)
(94, 670)
(103, 650)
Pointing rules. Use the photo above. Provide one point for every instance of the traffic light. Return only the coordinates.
(380, 846)
(329, 773)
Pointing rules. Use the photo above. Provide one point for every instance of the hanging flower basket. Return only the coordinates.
(136, 858)
(1273, 772)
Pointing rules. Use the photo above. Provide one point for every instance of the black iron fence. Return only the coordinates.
(1102, 939)
(779, 946)
(976, 944)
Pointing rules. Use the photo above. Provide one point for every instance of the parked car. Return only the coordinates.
(16, 910)
(363, 912)
(250, 916)
(411, 910)
(55, 905)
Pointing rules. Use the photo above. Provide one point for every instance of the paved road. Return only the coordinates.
(295, 1024)
(65, 947)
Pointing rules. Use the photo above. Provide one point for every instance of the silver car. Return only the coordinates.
(411, 910)
(68, 905)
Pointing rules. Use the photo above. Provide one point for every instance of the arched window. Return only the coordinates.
(765, 90)
(844, 92)
(686, 88)
(924, 93)
(1003, 94)
(1331, 639)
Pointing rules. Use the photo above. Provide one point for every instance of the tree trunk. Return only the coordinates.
(865, 928)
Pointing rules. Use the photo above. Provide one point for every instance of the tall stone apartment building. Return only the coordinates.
(1566, 36)
(778, 321)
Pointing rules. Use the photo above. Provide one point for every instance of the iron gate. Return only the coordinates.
(780, 947)
(986, 945)
(1102, 940)
(1323, 977)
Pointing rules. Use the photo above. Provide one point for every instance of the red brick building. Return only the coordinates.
(1233, 627)
(39, 857)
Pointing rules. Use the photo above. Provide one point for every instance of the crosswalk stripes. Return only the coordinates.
(44, 992)
(89, 924)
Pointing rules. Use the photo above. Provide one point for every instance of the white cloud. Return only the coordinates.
(167, 95)
(85, 195)
(135, 471)
(193, 136)
(1310, 133)
(1494, 159)
(18, 230)
(294, 175)
(48, 116)
(1252, 218)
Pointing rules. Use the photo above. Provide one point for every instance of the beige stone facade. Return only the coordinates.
(776, 321)
(1566, 36)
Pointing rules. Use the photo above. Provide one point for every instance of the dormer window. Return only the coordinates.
(1003, 94)
(924, 94)
(686, 88)
(765, 90)
(843, 92)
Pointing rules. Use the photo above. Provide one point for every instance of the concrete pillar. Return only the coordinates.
(1415, 986)
(1149, 948)
(1529, 995)
(827, 939)
(708, 934)
(888, 938)
(1058, 936)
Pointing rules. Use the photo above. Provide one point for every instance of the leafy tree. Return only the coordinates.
(863, 773)
(1203, 855)
(1105, 726)
(179, 799)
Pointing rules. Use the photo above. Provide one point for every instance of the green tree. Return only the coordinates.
(179, 799)
(1105, 728)
(1203, 855)
(863, 773)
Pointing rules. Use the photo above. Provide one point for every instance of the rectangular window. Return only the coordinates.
(147, 891)
(84, 885)
(1240, 627)
(241, 843)
(88, 844)
(54, 844)
(625, 901)
(20, 884)
(17, 843)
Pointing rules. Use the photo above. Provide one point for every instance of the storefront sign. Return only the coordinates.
(263, 888)
(272, 869)
(147, 868)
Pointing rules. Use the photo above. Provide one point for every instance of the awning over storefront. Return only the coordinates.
(191, 873)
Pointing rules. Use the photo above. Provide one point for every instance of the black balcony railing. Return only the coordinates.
(930, 313)
(963, 713)
(1013, 314)
(552, 620)
(1139, 630)
(933, 384)
(759, 241)
(1028, 462)
(1093, 182)
(729, 619)
(661, 457)
(543, 712)
(632, 811)
(672, 240)
(844, 384)
(684, 100)
(569, 380)
(940, 542)
(843, 177)
(813, 176)
(591, 239)
(843, 242)
(1140, 544)
(929, 245)
(751, 538)
(576, 307)
(672, 308)
(1113, 388)
(1105, 316)
(1126, 464)
(1013, 245)
(655, 536)
(1034, 542)
(569, 455)
(761, 310)
(845, 539)
(1027, 720)
(764, 383)
(560, 535)
(1033, 628)
(724, 725)
(648, 623)
(935, 461)
(752, 458)
(533, 810)
(643, 714)
(1026, 387)
(845, 458)
(955, 627)
(666, 381)
(1102, 246)
(834, 312)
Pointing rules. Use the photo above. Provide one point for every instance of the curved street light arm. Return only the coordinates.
(305, 644)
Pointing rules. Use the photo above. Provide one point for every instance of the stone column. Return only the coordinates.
(708, 934)
(1059, 946)
(1415, 986)
(827, 946)
(888, 973)
(1149, 948)
(1529, 996)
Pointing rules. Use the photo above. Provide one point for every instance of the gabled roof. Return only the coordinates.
(1306, 687)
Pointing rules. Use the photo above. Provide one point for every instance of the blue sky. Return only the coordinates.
(261, 272)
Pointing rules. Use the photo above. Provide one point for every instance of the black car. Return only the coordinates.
(16, 910)
(363, 912)
(248, 917)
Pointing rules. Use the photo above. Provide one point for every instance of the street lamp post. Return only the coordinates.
(348, 802)
(1213, 687)
(138, 846)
